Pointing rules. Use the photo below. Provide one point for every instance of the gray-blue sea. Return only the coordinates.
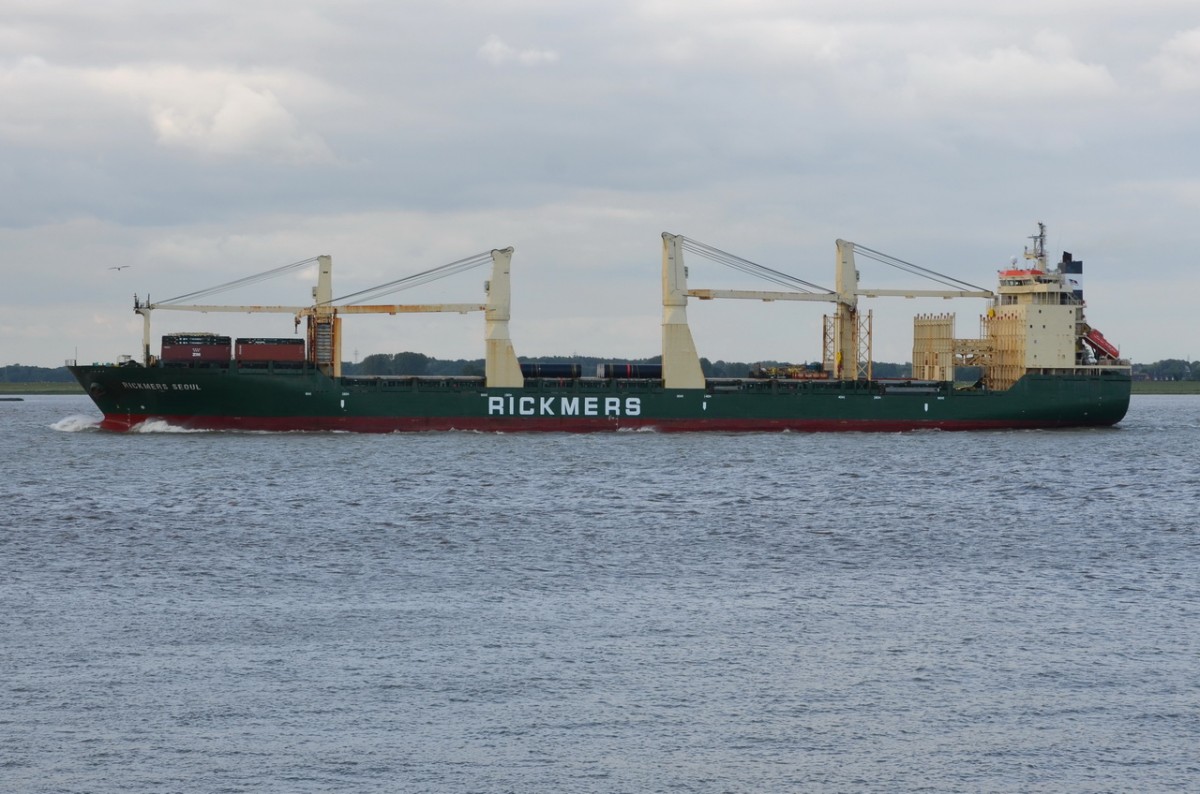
(1013, 611)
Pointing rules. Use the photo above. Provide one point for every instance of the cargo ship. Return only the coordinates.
(1037, 363)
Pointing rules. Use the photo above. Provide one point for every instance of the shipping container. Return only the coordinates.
(198, 348)
(562, 371)
(254, 350)
(630, 371)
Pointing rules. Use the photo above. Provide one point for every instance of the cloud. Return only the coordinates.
(247, 121)
(48, 106)
(1047, 70)
(184, 143)
(747, 44)
(217, 113)
(1177, 65)
(497, 53)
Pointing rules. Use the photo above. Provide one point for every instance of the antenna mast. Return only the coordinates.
(1039, 247)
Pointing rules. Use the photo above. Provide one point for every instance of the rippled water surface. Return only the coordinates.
(991, 611)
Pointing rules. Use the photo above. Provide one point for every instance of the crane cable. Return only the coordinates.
(751, 268)
(916, 270)
(241, 282)
(416, 279)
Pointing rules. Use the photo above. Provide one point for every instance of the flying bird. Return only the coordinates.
(119, 267)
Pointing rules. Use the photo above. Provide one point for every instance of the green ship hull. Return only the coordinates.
(305, 399)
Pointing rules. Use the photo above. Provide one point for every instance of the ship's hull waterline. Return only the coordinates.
(307, 400)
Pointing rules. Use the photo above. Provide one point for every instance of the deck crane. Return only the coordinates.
(323, 315)
(843, 339)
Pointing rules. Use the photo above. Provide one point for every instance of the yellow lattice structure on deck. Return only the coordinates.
(936, 353)
(862, 345)
(973, 353)
(1005, 329)
(933, 347)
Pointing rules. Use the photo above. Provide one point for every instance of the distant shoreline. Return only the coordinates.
(44, 387)
(1166, 387)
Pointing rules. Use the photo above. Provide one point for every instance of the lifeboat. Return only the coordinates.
(1098, 343)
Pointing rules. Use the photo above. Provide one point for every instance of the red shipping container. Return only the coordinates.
(195, 348)
(270, 350)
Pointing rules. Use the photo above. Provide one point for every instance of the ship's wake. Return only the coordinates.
(76, 423)
(163, 426)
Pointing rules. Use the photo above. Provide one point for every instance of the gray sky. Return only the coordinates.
(197, 142)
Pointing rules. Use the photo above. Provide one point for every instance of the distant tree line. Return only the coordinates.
(409, 363)
(412, 364)
(1167, 369)
(19, 373)
(420, 364)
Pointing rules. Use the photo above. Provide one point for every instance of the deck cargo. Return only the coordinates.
(537, 370)
(263, 350)
(206, 349)
(625, 370)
